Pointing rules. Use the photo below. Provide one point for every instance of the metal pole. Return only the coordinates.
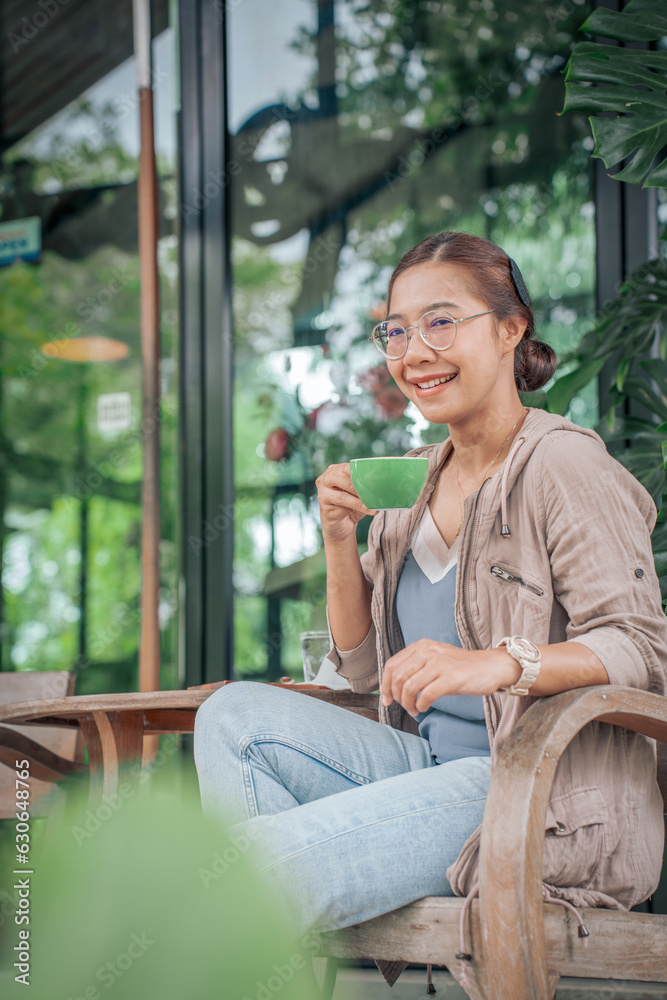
(149, 651)
(83, 521)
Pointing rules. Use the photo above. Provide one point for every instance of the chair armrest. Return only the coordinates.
(512, 839)
(44, 763)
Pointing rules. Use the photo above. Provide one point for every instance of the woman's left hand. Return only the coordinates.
(432, 669)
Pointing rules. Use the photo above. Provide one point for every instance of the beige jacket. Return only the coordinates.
(577, 534)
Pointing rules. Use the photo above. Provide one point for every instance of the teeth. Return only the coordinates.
(435, 381)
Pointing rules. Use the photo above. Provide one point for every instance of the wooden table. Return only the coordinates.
(113, 725)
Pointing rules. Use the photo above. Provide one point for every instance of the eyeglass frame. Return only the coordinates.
(419, 331)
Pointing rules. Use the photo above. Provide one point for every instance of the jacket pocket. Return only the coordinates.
(574, 842)
(511, 577)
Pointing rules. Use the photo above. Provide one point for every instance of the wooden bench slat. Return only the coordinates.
(621, 945)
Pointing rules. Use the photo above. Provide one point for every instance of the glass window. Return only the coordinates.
(71, 455)
(357, 130)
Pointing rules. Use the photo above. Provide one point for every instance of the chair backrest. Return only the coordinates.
(34, 685)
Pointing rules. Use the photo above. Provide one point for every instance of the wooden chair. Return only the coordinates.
(53, 753)
(521, 945)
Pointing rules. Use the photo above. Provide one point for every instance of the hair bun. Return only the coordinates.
(534, 364)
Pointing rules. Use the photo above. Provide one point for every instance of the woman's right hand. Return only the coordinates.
(340, 506)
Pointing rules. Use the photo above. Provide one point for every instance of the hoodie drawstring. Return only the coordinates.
(465, 957)
(505, 530)
(430, 988)
(549, 898)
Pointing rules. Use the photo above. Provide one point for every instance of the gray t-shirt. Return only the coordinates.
(454, 724)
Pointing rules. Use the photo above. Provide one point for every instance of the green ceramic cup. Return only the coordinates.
(388, 482)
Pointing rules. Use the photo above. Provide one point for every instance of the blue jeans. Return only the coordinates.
(351, 818)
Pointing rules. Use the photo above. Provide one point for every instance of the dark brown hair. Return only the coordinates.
(488, 270)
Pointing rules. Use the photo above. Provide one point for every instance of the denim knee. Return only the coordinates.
(221, 707)
(234, 711)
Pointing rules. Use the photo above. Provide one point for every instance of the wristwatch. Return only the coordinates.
(529, 658)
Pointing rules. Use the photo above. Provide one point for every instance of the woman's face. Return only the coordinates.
(481, 359)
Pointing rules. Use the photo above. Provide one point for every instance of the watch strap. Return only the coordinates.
(530, 669)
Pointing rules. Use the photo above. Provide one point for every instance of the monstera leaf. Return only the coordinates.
(628, 330)
(630, 82)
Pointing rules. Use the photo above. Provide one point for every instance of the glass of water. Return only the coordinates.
(314, 648)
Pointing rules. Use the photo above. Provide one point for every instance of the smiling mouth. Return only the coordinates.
(435, 381)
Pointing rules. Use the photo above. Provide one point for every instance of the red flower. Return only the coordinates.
(310, 423)
(391, 402)
(374, 379)
(277, 445)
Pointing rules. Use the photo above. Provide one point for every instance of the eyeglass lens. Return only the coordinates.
(437, 328)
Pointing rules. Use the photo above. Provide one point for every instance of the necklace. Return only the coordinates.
(484, 474)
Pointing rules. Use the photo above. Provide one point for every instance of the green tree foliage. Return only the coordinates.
(54, 457)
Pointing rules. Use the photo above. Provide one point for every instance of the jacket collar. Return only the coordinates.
(536, 425)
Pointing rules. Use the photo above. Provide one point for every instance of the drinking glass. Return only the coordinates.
(314, 648)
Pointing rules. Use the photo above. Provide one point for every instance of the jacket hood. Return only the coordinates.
(537, 424)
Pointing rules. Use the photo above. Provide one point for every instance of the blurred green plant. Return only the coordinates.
(628, 344)
(146, 897)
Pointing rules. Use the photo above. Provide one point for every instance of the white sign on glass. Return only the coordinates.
(114, 412)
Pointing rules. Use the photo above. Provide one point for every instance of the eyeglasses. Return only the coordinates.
(436, 328)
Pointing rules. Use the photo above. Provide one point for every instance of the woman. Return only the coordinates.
(524, 569)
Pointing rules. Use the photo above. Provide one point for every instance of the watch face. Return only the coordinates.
(525, 648)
